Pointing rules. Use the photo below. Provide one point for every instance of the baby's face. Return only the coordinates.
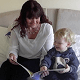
(60, 44)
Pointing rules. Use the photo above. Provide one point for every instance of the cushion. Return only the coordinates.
(76, 46)
(8, 33)
(68, 18)
(4, 44)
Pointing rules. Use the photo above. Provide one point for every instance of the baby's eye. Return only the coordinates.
(59, 43)
(54, 41)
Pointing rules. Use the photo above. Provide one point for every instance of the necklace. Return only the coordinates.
(32, 30)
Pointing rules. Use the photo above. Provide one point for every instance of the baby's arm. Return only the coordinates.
(73, 64)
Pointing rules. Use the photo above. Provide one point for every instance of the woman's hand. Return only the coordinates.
(45, 73)
(12, 58)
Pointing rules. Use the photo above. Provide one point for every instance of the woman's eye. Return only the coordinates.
(37, 17)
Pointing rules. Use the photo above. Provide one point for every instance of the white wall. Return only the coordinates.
(9, 5)
(68, 4)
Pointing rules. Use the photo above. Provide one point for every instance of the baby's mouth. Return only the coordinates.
(57, 47)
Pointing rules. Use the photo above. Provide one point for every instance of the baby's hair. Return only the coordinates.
(67, 34)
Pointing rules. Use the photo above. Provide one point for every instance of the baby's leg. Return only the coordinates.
(68, 76)
(52, 76)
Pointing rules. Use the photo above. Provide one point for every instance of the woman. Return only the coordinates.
(31, 38)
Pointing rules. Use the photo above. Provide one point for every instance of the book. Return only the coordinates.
(36, 75)
(29, 72)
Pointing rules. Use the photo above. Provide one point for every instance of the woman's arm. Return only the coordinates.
(49, 42)
(13, 46)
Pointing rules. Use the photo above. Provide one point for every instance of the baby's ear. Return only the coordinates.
(68, 44)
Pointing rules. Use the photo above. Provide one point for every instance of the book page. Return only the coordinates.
(30, 72)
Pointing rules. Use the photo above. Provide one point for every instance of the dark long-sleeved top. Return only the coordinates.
(55, 59)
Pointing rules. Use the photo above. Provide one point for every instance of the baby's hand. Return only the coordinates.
(67, 69)
(45, 72)
(43, 68)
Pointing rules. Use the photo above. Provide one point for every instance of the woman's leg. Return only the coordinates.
(31, 64)
(5, 70)
(9, 71)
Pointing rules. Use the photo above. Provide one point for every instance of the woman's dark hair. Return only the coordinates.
(30, 9)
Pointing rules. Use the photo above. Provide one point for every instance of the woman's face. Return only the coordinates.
(33, 22)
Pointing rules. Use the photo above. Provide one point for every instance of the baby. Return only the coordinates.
(61, 56)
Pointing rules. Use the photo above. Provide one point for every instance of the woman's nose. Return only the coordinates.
(34, 20)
